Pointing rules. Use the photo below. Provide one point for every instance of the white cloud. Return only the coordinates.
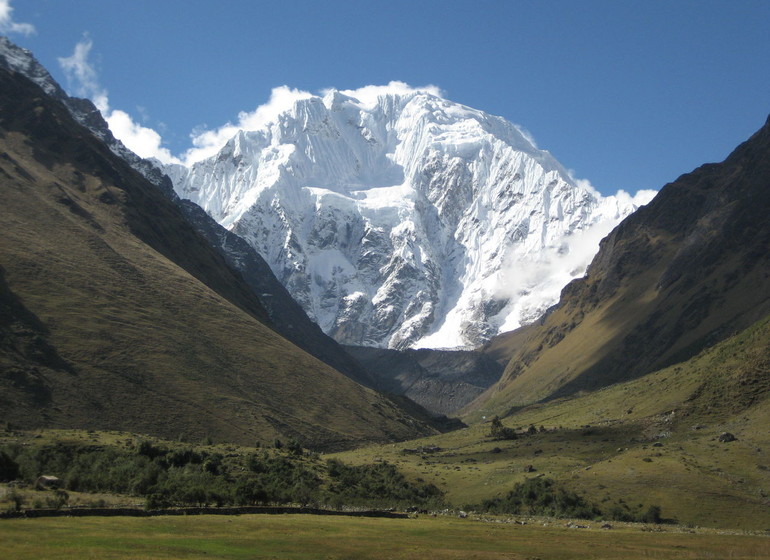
(83, 78)
(533, 283)
(553, 265)
(584, 184)
(621, 197)
(7, 25)
(641, 197)
(368, 95)
(527, 135)
(207, 143)
(143, 141)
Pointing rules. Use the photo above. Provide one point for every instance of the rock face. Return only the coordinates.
(405, 221)
(441, 381)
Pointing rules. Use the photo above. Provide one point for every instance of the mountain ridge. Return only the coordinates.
(285, 315)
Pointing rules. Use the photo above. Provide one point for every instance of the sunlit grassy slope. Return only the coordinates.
(650, 441)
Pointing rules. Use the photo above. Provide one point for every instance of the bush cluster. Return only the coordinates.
(542, 496)
(500, 432)
(358, 485)
(188, 476)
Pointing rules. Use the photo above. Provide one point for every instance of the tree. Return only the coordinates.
(498, 431)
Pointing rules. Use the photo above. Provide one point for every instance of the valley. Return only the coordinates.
(379, 303)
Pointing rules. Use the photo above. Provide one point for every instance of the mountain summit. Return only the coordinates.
(404, 219)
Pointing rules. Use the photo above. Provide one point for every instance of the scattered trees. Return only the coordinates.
(541, 496)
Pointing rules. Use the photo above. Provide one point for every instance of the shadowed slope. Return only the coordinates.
(137, 322)
(680, 274)
(442, 381)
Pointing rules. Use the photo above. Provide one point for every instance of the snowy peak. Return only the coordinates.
(17, 59)
(398, 218)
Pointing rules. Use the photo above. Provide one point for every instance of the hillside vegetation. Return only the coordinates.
(652, 441)
(162, 474)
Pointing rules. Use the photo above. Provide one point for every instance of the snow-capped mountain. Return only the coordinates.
(400, 220)
(406, 220)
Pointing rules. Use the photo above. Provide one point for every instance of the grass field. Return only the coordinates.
(313, 537)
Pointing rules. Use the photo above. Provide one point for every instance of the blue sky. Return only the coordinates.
(626, 94)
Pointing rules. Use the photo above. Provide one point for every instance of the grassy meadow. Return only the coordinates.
(313, 537)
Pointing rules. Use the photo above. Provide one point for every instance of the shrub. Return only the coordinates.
(295, 447)
(622, 512)
(59, 499)
(381, 484)
(17, 501)
(652, 515)
(498, 431)
(9, 469)
(249, 492)
(156, 501)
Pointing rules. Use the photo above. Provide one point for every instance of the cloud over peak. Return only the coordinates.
(84, 81)
(7, 25)
(368, 95)
(207, 142)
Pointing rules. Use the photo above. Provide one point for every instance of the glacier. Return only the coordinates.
(404, 219)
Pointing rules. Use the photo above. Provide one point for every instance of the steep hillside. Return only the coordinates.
(286, 316)
(118, 315)
(678, 275)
